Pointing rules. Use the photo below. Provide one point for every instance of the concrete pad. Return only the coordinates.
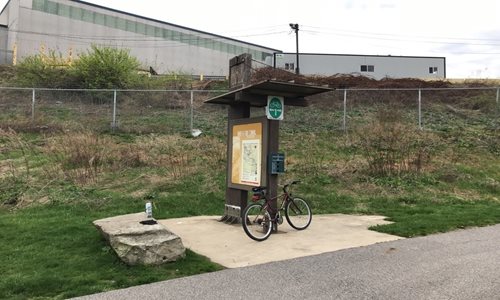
(229, 246)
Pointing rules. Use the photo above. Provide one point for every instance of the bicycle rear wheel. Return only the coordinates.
(298, 213)
(257, 222)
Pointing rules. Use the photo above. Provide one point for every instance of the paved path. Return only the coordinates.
(464, 264)
(229, 246)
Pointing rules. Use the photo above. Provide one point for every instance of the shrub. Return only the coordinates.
(49, 71)
(80, 157)
(106, 68)
(392, 147)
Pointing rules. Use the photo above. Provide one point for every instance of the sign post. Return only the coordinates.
(275, 107)
(252, 141)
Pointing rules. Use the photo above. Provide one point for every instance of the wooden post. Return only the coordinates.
(240, 71)
(235, 197)
(253, 134)
(239, 75)
(272, 179)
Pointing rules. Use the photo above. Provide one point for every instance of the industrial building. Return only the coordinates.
(374, 66)
(69, 27)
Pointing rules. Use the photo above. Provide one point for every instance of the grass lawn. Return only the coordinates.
(54, 251)
(54, 184)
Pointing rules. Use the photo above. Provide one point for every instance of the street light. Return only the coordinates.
(296, 28)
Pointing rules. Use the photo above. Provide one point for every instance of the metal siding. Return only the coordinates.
(57, 33)
(385, 66)
(5, 54)
(4, 17)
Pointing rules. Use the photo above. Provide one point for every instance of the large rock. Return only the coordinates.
(136, 243)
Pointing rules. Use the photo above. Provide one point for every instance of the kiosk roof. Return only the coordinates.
(256, 94)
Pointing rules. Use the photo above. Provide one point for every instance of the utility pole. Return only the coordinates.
(296, 28)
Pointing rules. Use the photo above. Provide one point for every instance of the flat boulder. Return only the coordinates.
(140, 243)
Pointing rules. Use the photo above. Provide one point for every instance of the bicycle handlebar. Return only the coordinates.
(289, 184)
(261, 189)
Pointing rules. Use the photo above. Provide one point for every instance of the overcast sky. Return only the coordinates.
(466, 32)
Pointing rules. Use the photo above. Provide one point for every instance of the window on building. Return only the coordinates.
(140, 28)
(121, 24)
(39, 4)
(76, 13)
(52, 7)
(288, 66)
(150, 30)
(193, 39)
(167, 34)
(176, 36)
(130, 26)
(264, 56)
(63, 10)
(217, 46)
(433, 70)
(87, 16)
(367, 68)
(99, 19)
(209, 43)
(158, 32)
(110, 21)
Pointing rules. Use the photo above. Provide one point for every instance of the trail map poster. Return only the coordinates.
(250, 161)
(246, 153)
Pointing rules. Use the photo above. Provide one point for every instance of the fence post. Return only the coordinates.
(33, 106)
(344, 126)
(498, 95)
(498, 107)
(191, 112)
(420, 109)
(113, 123)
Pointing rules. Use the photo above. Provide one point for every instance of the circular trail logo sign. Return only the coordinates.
(275, 107)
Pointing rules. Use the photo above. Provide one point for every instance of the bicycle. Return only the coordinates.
(259, 219)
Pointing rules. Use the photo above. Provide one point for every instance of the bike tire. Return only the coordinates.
(298, 213)
(257, 222)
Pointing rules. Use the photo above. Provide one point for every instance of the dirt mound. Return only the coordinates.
(342, 81)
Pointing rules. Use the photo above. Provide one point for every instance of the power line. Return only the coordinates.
(332, 30)
(402, 39)
(263, 28)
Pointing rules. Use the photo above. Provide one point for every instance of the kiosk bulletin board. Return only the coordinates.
(248, 153)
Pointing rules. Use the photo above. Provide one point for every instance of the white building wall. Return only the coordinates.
(383, 66)
(71, 27)
(5, 54)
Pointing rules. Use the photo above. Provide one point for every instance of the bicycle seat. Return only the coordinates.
(258, 189)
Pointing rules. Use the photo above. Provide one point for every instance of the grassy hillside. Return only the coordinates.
(61, 172)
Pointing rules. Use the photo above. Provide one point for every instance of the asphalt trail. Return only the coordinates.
(463, 264)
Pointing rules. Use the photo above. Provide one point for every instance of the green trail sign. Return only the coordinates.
(275, 107)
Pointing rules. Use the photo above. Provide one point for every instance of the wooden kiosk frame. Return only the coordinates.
(248, 155)
(248, 134)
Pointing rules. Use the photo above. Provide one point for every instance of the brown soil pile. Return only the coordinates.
(342, 81)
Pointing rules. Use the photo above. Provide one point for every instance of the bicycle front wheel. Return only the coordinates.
(298, 213)
(257, 222)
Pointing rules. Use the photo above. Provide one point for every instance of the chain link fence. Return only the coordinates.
(182, 111)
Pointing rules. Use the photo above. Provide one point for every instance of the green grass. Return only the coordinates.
(54, 251)
(427, 216)
(50, 248)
